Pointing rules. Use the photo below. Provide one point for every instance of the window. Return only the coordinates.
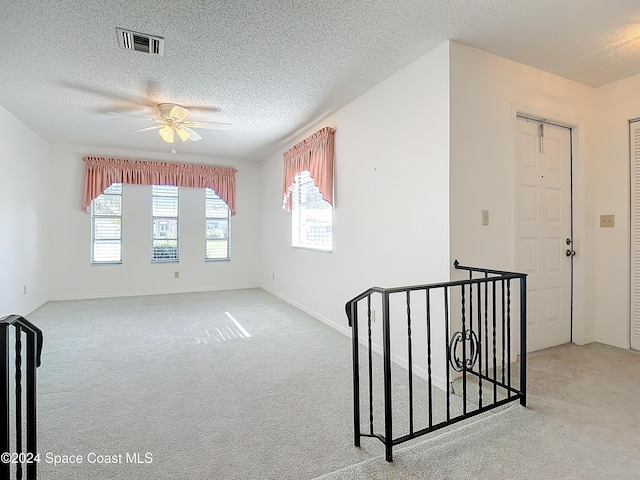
(311, 216)
(106, 226)
(217, 228)
(164, 242)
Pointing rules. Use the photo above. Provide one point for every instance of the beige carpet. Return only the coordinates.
(174, 376)
(582, 422)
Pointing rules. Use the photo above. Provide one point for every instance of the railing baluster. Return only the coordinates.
(410, 362)
(447, 349)
(509, 337)
(32, 435)
(479, 347)
(370, 353)
(486, 324)
(5, 467)
(504, 329)
(18, 392)
(464, 357)
(353, 314)
(495, 366)
(388, 410)
(523, 340)
(429, 379)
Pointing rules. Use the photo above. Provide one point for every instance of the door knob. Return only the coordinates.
(570, 253)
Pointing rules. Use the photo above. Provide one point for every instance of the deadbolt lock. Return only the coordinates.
(568, 241)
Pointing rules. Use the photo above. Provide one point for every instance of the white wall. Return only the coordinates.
(393, 188)
(73, 276)
(616, 104)
(24, 190)
(391, 223)
(486, 93)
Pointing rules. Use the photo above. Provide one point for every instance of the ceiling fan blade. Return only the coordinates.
(202, 108)
(211, 125)
(155, 127)
(178, 112)
(113, 95)
(183, 133)
(133, 115)
(193, 136)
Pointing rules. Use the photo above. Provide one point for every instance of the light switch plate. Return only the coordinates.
(607, 221)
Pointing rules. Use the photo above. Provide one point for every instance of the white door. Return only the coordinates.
(543, 223)
(635, 235)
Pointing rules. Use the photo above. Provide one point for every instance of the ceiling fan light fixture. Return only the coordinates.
(166, 133)
(183, 134)
(178, 112)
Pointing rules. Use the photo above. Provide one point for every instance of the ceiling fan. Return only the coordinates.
(172, 123)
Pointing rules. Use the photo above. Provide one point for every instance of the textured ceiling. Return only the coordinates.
(271, 67)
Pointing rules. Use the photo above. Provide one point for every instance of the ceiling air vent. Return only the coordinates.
(140, 42)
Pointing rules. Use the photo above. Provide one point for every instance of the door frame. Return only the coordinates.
(578, 195)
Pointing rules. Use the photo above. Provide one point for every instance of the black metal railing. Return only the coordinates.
(459, 342)
(20, 450)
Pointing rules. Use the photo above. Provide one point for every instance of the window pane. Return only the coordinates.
(217, 249)
(107, 228)
(164, 250)
(106, 251)
(217, 229)
(216, 208)
(107, 205)
(164, 242)
(165, 228)
(164, 191)
(312, 222)
(165, 206)
(115, 188)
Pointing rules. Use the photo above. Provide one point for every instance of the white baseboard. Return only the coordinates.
(90, 296)
(419, 371)
(614, 342)
(402, 362)
(35, 306)
(39, 304)
(341, 328)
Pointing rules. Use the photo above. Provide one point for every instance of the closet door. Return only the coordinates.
(635, 234)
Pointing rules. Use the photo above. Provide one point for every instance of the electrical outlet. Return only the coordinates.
(176, 274)
(485, 217)
(607, 221)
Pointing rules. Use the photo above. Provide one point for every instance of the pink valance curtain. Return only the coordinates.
(100, 173)
(314, 154)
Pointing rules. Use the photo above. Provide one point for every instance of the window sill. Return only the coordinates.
(311, 249)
